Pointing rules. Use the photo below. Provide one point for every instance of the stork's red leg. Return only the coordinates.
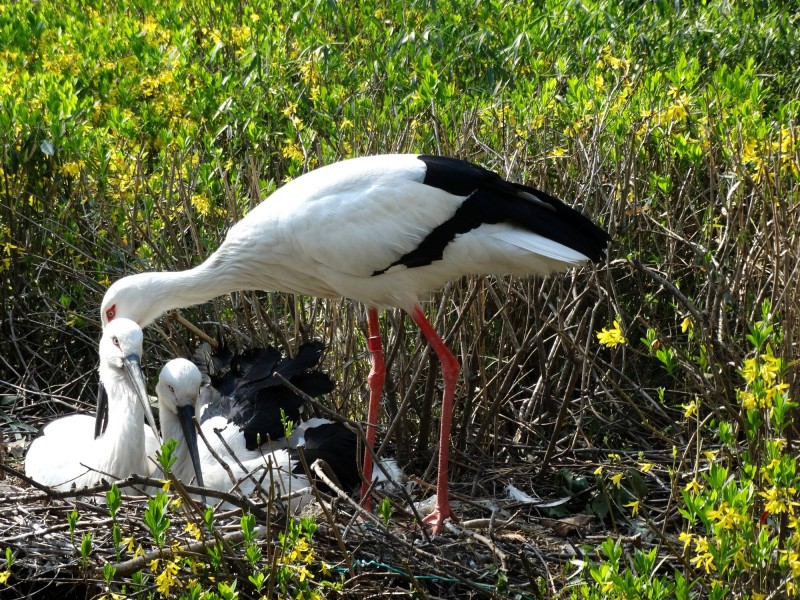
(375, 380)
(450, 369)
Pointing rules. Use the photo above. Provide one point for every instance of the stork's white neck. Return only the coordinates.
(168, 290)
(122, 444)
(183, 468)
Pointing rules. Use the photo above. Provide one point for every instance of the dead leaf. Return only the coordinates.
(567, 525)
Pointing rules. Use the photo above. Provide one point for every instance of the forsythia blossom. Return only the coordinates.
(612, 336)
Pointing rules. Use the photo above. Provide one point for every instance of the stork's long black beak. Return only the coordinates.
(186, 419)
(101, 416)
(133, 370)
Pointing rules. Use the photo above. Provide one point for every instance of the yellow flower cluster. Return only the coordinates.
(703, 557)
(167, 579)
(616, 63)
(612, 336)
(756, 155)
(201, 203)
(293, 151)
(779, 500)
(726, 517)
(763, 376)
(309, 73)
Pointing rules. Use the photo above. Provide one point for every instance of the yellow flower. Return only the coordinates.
(128, 541)
(72, 169)
(739, 559)
(193, 530)
(645, 467)
(701, 545)
(686, 538)
(616, 479)
(725, 516)
(4, 575)
(748, 399)
(693, 487)
(614, 457)
(166, 579)
(612, 336)
(599, 470)
(776, 501)
(201, 204)
(153, 565)
(290, 110)
(292, 151)
(686, 325)
(634, 506)
(240, 34)
(690, 408)
(8, 247)
(792, 561)
(612, 61)
(703, 557)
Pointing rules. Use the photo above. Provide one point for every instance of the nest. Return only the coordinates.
(508, 540)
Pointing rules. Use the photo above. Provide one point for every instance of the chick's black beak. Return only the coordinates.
(186, 419)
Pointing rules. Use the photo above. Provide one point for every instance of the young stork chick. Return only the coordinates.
(178, 393)
(68, 454)
(242, 389)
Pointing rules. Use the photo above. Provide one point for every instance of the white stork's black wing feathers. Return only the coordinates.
(336, 445)
(252, 398)
(489, 200)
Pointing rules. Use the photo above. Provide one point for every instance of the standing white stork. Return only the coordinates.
(384, 231)
(68, 454)
(277, 464)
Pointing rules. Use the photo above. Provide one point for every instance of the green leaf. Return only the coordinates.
(86, 545)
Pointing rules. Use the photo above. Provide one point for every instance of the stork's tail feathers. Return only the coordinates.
(492, 199)
(337, 445)
(565, 225)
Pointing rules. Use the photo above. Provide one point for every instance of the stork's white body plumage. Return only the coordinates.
(384, 231)
(68, 454)
(328, 232)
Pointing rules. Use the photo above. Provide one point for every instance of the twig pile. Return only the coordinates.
(509, 540)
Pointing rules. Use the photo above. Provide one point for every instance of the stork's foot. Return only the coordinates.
(437, 517)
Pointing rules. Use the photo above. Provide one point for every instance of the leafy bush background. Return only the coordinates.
(131, 138)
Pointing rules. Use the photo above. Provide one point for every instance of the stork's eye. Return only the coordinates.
(115, 340)
(171, 389)
(111, 313)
